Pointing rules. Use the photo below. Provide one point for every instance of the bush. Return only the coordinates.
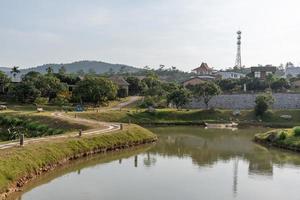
(32, 126)
(282, 135)
(263, 102)
(296, 131)
(51, 131)
(41, 101)
(58, 132)
(42, 128)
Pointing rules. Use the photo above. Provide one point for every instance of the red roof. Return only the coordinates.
(203, 67)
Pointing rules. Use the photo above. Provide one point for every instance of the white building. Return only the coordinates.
(292, 71)
(230, 75)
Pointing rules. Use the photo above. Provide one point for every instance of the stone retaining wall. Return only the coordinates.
(247, 101)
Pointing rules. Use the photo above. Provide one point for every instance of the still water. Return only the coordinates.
(187, 163)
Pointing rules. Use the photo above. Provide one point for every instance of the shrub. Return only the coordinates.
(51, 131)
(57, 132)
(263, 102)
(32, 126)
(42, 128)
(282, 135)
(41, 100)
(16, 121)
(296, 131)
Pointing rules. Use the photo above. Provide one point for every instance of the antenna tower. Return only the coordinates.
(238, 61)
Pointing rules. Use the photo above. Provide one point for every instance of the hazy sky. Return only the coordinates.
(181, 33)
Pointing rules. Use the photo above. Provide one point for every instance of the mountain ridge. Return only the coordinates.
(99, 67)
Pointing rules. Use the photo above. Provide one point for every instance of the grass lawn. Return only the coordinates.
(284, 138)
(17, 163)
(161, 116)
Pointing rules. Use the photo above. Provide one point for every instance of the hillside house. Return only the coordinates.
(230, 75)
(204, 69)
(262, 72)
(292, 71)
(197, 80)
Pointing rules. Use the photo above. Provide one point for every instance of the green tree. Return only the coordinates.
(80, 72)
(62, 70)
(4, 82)
(206, 91)
(179, 97)
(96, 90)
(25, 92)
(135, 86)
(49, 86)
(280, 84)
(270, 79)
(49, 70)
(262, 103)
(152, 86)
(14, 71)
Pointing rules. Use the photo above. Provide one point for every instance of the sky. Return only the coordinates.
(180, 33)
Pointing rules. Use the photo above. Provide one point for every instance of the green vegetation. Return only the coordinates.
(172, 116)
(284, 138)
(96, 90)
(263, 102)
(34, 125)
(205, 91)
(17, 163)
(179, 97)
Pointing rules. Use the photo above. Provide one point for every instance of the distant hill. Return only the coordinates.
(86, 66)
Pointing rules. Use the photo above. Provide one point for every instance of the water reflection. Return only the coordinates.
(207, 147)
(187, 162)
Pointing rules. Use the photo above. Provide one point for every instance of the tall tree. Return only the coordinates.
(262, 103)
(179, 97)
(96, 90)
(135, 86)
(14, 71)
(49, 70)
(4, 82)
(62, 70)
(206, 91)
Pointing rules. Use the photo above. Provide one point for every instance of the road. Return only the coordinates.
(103, 128)
(131, 100)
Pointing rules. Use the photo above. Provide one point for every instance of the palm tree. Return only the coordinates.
(49, 70)
(270, 79)
(14, 71)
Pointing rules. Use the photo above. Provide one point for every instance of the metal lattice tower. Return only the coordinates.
(238, 61)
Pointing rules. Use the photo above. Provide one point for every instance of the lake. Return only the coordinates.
(186, 163)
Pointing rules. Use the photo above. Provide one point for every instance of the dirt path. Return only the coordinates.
(103, 128)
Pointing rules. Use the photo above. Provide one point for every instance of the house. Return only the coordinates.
(230, 75)
(292, 71)
(122, 84)
(203, 70)
(197, 80)
(262, 72)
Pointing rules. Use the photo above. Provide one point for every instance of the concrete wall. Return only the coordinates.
(247, 101)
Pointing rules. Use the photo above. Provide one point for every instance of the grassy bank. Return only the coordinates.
(283, 138)
(190, 117)
(18, 165)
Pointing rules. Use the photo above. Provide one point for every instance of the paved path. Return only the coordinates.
(103, 128)
(131, 100)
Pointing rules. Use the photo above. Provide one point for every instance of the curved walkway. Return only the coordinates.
(103, 128)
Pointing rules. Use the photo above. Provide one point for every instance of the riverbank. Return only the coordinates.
(282, 138)
(195, 117)
(22, 164)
